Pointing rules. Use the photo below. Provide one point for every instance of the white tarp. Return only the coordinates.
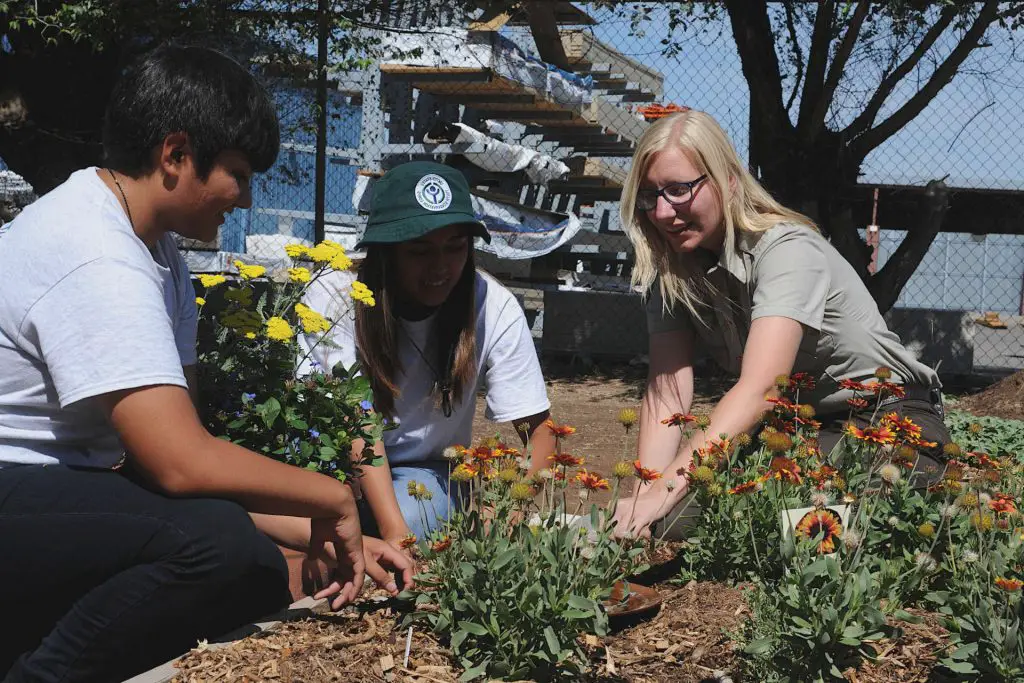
(507, 158)
(449, 46)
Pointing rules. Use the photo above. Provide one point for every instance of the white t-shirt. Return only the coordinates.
(506, 364)
(85, 309)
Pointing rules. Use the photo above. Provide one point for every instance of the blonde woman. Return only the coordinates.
(728, 271)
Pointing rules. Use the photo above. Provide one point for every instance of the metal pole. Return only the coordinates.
(321, 119)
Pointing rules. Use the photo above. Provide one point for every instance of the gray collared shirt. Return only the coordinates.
(792, 271)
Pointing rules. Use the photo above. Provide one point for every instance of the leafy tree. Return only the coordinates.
(830, 82)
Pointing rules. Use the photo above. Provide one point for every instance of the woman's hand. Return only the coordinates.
(345, 537)
(395, 541)
(634, 516)
(383, 560)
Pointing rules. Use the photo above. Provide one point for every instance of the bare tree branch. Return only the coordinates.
(867, 118)
(939, 79)
(835, 71)
(817, 61)
(798, 55)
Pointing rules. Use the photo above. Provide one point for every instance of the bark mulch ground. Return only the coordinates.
(1003, 399)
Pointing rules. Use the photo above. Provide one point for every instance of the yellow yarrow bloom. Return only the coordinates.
(278, 329)
(311, 320)
(325, 252)
(211, 280)
(250, 272)
(296, 250)
(200, 301)
(250, 335)
(298, 274)
(341, 262)
(362, 294)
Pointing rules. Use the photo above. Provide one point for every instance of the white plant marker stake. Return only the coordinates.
(408, 646)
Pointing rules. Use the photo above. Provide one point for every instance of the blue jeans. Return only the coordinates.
(421, 516)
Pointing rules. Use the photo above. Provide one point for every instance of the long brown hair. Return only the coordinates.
(377, 330)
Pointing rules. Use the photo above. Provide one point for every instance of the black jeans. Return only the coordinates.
(102, 579)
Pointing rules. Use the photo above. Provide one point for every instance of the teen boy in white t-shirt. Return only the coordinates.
(108, 571)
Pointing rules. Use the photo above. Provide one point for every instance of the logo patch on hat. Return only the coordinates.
(432, 193)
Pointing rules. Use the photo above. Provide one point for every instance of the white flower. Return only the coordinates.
(588, 552)
(925, 562)
(894, 520)
(546, 474)
(820, 499)
(890, 473)
(328, 395)
(947, 511)
(984, 499)
(670, 484)
(852, 539)
(737, 515)
(523, 463)
(968, 556)
(452, 454)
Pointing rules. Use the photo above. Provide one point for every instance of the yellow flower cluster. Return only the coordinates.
(250, 272)
(278, 329)
(200, 301)
(325, 251)
(295, 250)
(311, 321)
(362, 293)
(298, 274)
(211, 280)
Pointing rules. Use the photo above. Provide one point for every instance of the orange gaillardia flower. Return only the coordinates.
(875, 435)
(1010, 585)
(441, 544)
(592, 481)
(558, 430)
(566, 460)
(824, 523)
(407, 541)
(644, 474)
(1001, 502)
(679, 420)
(857, 403)
(785, 469)
(745, 487)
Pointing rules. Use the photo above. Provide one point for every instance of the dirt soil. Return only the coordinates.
(1003, 399)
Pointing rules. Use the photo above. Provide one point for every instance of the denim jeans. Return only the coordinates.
(102, 578)
(421, 516)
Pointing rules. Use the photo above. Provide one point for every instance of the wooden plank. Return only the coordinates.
(566, 14)
(545, 34)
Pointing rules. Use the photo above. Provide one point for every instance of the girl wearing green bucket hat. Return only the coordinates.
(440, 331)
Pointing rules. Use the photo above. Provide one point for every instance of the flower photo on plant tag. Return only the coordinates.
(824, 523)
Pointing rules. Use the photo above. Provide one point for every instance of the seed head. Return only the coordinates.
(805, 412)
(927, 530)
(782, 382)
(622, 469)
(412, 488)
(968, 501)
(509, 475)
(925, 562)
(982, 521)
(521, 492)
(715, 489)
(702, 421)
(952, 450)
(975, 428)
(453, 454)
(890, 473)
(743, 439)
(852, 539)
(703, 475)
(627, 417)
(777, 442)
(883, 373)
(461, 474)
(819, 499)
(968, 556)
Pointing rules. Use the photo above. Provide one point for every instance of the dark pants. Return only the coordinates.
(925, 413)
(101, 578)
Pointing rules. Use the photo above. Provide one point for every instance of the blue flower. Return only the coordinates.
(366, 405)
(315, 434)
(248, 397)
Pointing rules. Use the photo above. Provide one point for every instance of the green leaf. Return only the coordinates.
(759, 646)
(959, 667)
(473, 627)
(553, 645)
(458, 637)
(576, 602)
(504, 558)
(475, 671)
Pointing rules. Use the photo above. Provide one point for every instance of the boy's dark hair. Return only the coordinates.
(193, 90)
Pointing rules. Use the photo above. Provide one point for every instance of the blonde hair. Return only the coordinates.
(746, 206)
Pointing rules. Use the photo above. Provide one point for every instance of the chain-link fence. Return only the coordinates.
(541, 105)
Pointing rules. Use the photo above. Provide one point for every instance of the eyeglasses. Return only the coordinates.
(674, 193)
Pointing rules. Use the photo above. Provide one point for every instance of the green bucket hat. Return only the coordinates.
(416, 198)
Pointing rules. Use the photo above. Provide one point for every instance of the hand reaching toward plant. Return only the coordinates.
(634, 516)
(344, 535)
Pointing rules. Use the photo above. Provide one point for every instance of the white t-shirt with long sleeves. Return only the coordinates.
(506, 359)
(85, 309)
